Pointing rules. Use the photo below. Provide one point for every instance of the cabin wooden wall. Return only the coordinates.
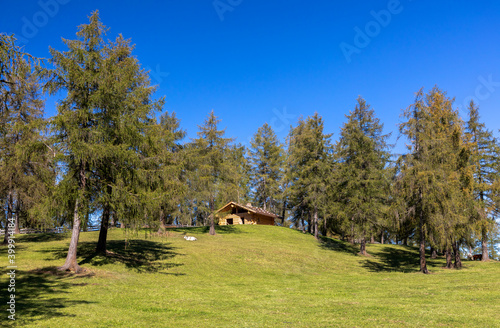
(249, 218)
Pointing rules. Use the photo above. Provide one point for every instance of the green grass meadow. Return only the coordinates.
(245, 276)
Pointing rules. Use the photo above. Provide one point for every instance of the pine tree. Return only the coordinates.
(309, 163)
(362, 175)
(485, 155)
(266, 157)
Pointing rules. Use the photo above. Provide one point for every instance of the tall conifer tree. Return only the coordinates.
(266, 157)
(209, 152)
(485, 156)
(309, 163)
(362, 174)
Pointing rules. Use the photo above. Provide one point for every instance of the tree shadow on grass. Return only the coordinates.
(40, 294)
(43, 237)
(338, 246)
(139, 255)
(396, 260)
(225, 229)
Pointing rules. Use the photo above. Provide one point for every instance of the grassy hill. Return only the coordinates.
(245, 276)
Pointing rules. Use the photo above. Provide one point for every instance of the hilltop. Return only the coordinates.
(245, 276)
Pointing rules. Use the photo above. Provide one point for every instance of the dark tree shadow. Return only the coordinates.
(139, 255)
(225, 229)
(32, 288)
(397, 260)
(337, 245)
(42, 237)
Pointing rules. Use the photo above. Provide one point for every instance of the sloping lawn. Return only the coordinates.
(245, 276)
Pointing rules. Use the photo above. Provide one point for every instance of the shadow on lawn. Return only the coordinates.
(40, 294)
(396, 260)
(43, 237)
(139, 255)
(226, 229)
(339, 246)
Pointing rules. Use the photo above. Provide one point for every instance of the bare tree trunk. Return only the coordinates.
(352, 233)
(433, 253)
(162, 221)
(362, 249)
(303, 225)
(372, 239)
(9, 217)
(212, 223)
(449, 263)
(456, 250)
(6, 235)
(71, 263)
(16, 216)
(423, 263)
(315, 219)
(382, 237)
(484, 244)
(103, 232)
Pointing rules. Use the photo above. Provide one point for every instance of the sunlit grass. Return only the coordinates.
(245, 276)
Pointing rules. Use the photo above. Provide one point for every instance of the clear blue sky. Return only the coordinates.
(272, 61)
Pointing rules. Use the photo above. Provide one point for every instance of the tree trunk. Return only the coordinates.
(16, 217)
(484, 244)
(315, 219)
(434, 254)
(423, 263)
(303, 225)
(449, 263)
(352, 233)
(103, 232)
(162, 227)
(71, 263)
(6, 235)
(9, 218)
(212, 226)
(372, 239)
(456, 250)
(405, 241)
(362, 249)
(212, 223)
(382, 237)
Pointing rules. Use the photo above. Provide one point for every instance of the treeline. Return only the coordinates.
(111, 152)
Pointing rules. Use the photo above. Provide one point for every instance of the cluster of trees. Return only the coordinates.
(110, 153)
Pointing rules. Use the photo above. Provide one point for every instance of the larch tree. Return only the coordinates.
(431, 174)
(362, 174)
(485, 156)
(309, 162)
(124, 126)
(167, 171)
(100, 124)
(77, 71)
(209, 153)
(266, 157)
(23, 152)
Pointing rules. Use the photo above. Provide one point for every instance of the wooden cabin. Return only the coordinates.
(234, 213)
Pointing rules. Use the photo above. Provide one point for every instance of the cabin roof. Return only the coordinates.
(249, 208)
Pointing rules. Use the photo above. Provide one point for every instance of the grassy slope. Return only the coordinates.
(246, 276)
